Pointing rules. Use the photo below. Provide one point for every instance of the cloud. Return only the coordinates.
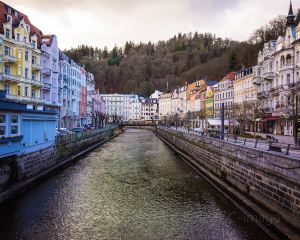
(108, 22)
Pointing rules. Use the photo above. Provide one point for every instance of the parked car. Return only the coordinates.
(78, 129)
(62, 132)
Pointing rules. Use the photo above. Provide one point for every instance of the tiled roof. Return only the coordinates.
(16, 19)
(211, 82)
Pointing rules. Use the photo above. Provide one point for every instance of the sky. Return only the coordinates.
(102, 23)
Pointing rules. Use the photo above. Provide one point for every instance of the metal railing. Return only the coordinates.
(81, 135)
(255, 143)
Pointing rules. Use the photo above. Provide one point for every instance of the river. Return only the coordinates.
(133, 187)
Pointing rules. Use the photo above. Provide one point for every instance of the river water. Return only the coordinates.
(133, 187)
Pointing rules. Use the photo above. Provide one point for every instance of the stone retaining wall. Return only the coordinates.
(270, 180)
(16, 171)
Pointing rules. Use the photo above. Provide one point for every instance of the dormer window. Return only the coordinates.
(16, 14)
(33, 44)
(28, 28)
(18, 36)
(9, 10)
(8, 18)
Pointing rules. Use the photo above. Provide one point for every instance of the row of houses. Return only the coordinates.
(262, 98)
(41, 88)
(131, 107)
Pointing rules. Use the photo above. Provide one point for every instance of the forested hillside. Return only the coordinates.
(142, 68)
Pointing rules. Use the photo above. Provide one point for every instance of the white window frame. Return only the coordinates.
(15, 125)
(4, 125)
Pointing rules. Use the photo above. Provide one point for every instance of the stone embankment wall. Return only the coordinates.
(18, 173)
(267, 179)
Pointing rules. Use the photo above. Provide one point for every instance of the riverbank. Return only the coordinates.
(21, 173)
(255, 179)
(132, 187)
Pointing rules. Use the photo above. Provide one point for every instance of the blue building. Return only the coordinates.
(24, 128)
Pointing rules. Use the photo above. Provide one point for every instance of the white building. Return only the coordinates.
(165, 105)
(274, 76)
(150, 109)
(135, 109)
(118, 105)
(90, 97)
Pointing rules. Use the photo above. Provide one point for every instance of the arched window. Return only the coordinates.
(288, 60)
(297, 56)
(282, 61)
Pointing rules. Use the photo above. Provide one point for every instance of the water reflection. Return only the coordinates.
(133, 187)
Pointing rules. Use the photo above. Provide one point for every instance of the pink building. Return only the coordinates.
(98, 110)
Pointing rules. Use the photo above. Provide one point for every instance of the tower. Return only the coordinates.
(291, 17)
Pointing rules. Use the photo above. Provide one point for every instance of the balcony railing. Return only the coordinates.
(25, 99)
(46, 71)
(9, 58)
(257, 80)
(46, 86)
(36, 66)
(10, 77)
(269, 75)
(36, 82)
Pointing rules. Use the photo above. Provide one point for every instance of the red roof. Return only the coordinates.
(16, 19)
(230, 76)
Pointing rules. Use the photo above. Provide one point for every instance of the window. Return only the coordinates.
(2, 124)
(33, 59)
(33, 44)
(9, 10)
(288, 78)
(19, 91)
(18, 36)
(26, 91)
(7, 51)
(26, 56)
(16, 14)
(19, 53)
(14, 125)
(19, 70)
(7, 69)
(33, 76)
(7, 33)
(33, 94)
(7, 88)
(297, 56)
(26, 72)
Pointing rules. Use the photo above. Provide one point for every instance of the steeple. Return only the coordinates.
(291, 17)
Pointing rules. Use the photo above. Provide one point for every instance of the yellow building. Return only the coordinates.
(20, 64)
(244, 89)
(165, 105)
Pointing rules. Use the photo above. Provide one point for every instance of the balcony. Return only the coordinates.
(25, 99)
(269, 76)
(257, 80)
(46, 86)
(46, 71)
(36, 83)
(36, 67)
(9, 59)
(262, 94)
(10, 77)
(268, 110)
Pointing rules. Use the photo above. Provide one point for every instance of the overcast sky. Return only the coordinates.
(108, 22)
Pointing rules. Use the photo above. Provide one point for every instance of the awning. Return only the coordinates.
(214, 122)
(271, 118)
(218, 122)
